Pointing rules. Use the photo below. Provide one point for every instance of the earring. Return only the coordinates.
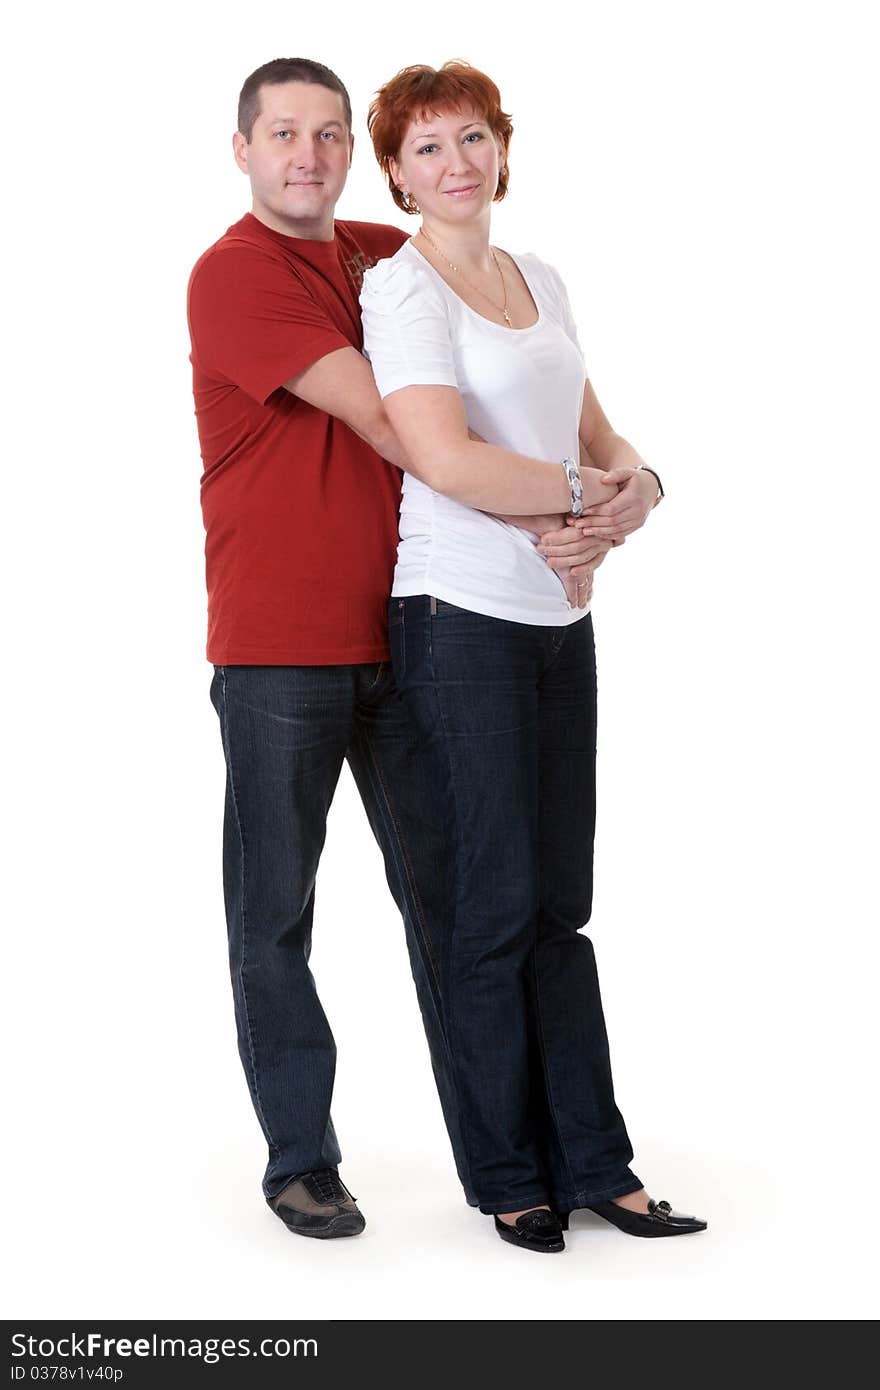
(409, 202)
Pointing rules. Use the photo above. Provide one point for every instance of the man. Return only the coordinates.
(301, 534)
(300, 512)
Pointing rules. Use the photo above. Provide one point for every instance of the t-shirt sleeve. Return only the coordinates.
(568, 322)
(559, 297)
(407, 335)
(253, 323)
(567, 316)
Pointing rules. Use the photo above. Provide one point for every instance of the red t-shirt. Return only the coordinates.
(300, 514)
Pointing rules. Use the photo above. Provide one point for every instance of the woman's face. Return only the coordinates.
(449, 164)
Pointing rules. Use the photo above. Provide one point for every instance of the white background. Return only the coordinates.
(703, 176)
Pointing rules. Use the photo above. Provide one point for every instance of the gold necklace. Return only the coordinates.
(501, 308)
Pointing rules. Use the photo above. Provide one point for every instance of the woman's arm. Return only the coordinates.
(431, 425)
(423, 431)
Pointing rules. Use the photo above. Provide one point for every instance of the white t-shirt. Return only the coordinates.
(522, 389)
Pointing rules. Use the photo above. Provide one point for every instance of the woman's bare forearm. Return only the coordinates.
(477, 474)
(490, 479)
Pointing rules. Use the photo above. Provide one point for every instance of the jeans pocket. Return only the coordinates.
(218, 688)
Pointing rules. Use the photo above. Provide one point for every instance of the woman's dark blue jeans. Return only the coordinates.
(507, 717)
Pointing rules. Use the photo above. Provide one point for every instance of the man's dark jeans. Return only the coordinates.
(508, 714)
(286, 731)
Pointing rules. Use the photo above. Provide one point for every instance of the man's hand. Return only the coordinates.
(625, 513)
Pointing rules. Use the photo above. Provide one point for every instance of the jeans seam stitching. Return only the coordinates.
(550, 1097)
(465, 1126)
(442, 1012)
(247, 1011)
(401, 842)
(424, 938)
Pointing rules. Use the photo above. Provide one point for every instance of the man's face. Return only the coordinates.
(297, 159)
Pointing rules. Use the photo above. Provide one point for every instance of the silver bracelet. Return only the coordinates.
(573, 474)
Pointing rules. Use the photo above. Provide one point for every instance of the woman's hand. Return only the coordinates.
(570, 550)
(578, 591)
(627, 511)
(574, 557)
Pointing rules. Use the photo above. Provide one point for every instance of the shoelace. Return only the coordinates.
(325, 1186)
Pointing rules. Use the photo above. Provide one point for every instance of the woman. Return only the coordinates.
(496, 665)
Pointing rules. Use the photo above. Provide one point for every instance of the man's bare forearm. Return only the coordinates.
(546, 521)
(380, 435)
(638, 488)
(609, 450)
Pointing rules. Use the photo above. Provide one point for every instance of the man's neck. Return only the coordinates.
(303, 229)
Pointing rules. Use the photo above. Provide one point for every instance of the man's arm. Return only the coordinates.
(423, 430)
(603, 448)
(342, 385)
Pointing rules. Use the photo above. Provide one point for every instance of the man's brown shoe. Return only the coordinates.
(318, 1204)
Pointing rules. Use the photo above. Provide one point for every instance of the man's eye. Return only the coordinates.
(281, 134)
(328, 135)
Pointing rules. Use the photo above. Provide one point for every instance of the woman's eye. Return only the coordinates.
(474, 135)
(425, 149)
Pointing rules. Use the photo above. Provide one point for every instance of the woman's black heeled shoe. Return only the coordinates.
(534, 1230)
(658, 1220)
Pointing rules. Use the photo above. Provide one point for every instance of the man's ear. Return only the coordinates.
(350, 149)
(239, 149)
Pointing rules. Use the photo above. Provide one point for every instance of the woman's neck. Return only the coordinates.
(466, 245)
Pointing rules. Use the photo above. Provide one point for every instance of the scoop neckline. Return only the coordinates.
(530, 328)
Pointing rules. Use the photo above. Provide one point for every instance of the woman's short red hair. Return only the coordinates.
(421, 91)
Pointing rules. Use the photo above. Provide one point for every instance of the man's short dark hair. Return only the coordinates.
(275, 74)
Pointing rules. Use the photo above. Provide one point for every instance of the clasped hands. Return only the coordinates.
(575, 546)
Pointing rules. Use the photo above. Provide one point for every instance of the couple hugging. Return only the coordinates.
(437, 635)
